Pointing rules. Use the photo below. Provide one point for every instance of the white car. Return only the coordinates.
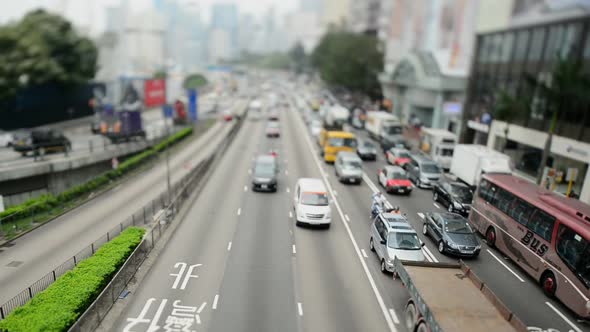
(311, 203)
(315, 128)
(6, 139)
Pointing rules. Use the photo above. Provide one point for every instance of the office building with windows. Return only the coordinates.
(512, 60)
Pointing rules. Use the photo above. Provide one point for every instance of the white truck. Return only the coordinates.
(382, 125)
(334, 117)
(470, 161)
(439, 145)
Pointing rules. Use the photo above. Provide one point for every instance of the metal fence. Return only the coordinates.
(9, 227)
(179, 193)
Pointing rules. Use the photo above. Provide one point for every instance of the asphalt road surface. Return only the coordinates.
(237, 262)
(45, 248)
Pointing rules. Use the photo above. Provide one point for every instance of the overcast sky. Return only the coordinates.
(90, 13)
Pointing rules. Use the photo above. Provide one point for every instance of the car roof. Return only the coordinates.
(420, 158)
(398, 150)
(450, 216)
(265, 158)
(396, 169)
(348, 155)
(312, 184)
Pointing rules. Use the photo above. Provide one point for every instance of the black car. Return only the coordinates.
(264, 176)
(452, 234)
(41, 141)
(394, 142)
(366, 150)
(455, 196)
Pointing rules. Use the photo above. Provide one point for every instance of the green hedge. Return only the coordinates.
(60, 305)
(47, 202)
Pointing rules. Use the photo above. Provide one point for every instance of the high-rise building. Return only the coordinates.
(336, 12)
(224, 17)
(365, 16)
(313, 6)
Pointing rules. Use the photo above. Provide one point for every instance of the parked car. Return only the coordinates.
(456, 196)
(348, 167)
(395, 180)
(311, 203)
(366, 150)
(264, 176)
(41, 141)
(452, 234)
(423, 171)
(273, 129)
(392, 236)
(315, 127)
(398, 156)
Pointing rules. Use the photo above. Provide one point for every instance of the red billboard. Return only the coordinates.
(154, 93)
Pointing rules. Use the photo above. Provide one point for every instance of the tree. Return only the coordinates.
(298, 57)
(194, 81)
(160, 75)
(349, 60)
(42, 48)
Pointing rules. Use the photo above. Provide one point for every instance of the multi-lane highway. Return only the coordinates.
(237, 262)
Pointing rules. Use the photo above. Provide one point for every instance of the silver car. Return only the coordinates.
(348, 167)
(392, 236)
(423, 171)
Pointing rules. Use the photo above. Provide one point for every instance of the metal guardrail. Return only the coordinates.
(96, 312)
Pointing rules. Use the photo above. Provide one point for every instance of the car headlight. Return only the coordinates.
(588, 305)
(457, 206)
(390, 260)
(328, 215)
(452, 245)
(478, 247)
(423, 179)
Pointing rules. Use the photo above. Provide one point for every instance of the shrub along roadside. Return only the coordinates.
(58, 307)
(48, 202)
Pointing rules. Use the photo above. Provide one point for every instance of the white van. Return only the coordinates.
(311, 203)
(439, 145)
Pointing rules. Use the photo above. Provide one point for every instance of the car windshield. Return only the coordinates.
(352, 164)
(264, 169)
(368, 145)
(403, 154)
(393, 130)
(403, 240)
(463, 193)
(318, 199)
(338, 142)
(398, 175)
(458, 226)
(446, 152)
(430, 168)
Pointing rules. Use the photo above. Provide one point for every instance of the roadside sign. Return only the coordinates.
(192, 104)
(572, 174)
(168, 111)
(1, 203)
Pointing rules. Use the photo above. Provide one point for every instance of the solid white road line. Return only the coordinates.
(290, 214)
(394, 316)
(427, 255)
(346, 217)
(506, 266)
(421, 215)
(570, 323)
(245, 188)
(436, 205)
(288, 190)
(335, 193)
(294, 249)
(300, 308)
(370, 183)
(380, 301)
(432, 257)
(201, 307)
(364, 253)
(215, 301)
(229, 246)
(239, 211)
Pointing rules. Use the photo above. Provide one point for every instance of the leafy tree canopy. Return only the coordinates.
(44, 47)
(349, 60)
(194, 81)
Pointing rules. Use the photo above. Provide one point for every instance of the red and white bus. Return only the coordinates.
(546, 234)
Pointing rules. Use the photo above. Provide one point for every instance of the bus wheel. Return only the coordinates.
(422, 327)
(548, 283)
(411, 316)
(491, 237)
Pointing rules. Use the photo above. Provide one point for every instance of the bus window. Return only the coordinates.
(575, 252)
(485, 191)
(542, 224)
(503, 200)
(521, 211)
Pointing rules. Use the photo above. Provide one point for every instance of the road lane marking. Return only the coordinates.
(239, 211)
(506, 266)
(215, 301)
(370, 183)
(250, 171)
(570, 323)
(229, 246)
(201, 307)
(290, 214)
(286, 172)
(421, 215)
(364, 253)
(335, 193)
(300, 308)
(394, 316)
(427, 255)
(294, 249)
(380, 300)
(288, 190)
(245, 188)
(346, 217)
(436, 205)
